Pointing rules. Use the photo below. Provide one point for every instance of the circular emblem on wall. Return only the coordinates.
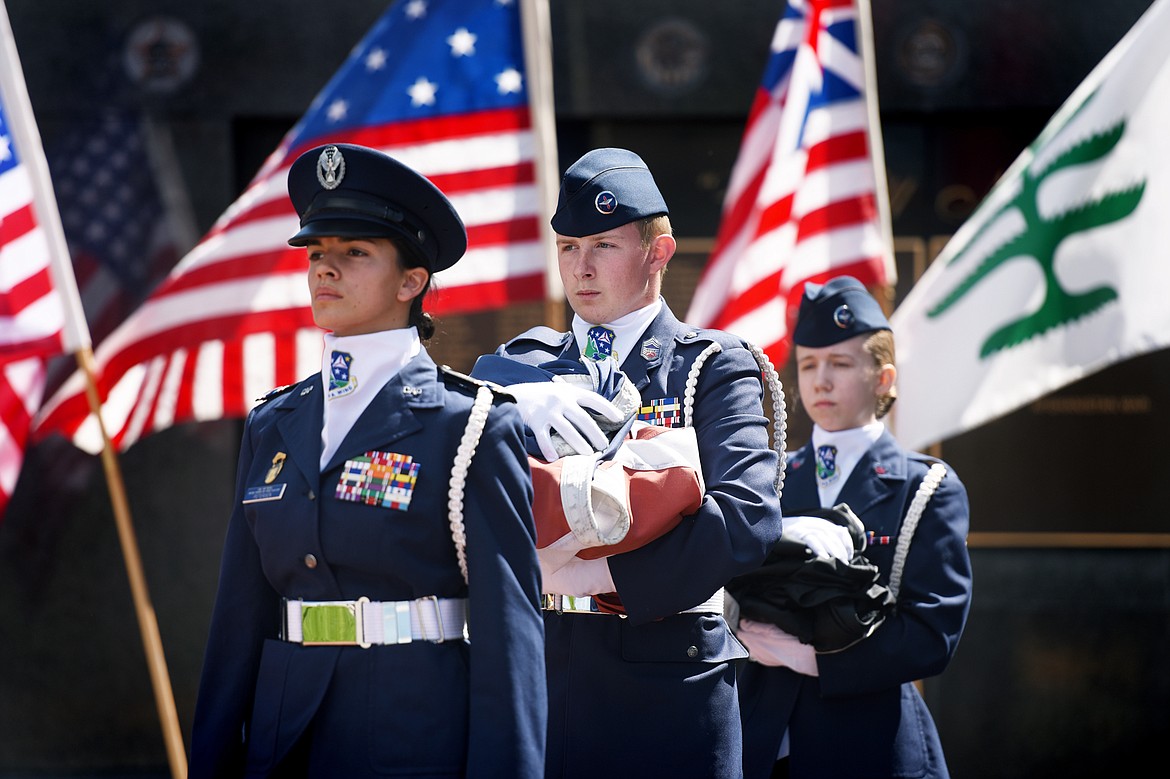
(605, 202)
(930, 53)
(673, 55)
(330, 167)
(161, 54)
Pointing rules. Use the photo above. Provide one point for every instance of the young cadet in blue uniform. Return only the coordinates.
(856, 712)
(337, 645)
(650, 693)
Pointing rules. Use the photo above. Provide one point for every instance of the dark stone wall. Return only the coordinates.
(1060, 672)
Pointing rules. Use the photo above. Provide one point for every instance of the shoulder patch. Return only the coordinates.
(470, 383)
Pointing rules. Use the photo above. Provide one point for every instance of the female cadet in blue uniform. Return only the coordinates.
(856, 712)
(338, 642)
(650, 692)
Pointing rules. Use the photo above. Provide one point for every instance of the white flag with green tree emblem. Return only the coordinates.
(1063, 269)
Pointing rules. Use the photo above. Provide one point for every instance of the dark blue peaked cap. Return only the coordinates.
(347, 191)
(606, 188)
(835, 311)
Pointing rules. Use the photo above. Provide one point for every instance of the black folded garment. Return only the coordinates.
(828, 603)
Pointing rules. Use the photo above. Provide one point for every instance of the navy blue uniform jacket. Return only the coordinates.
(418, 709)
(863, 717)
(654, 694)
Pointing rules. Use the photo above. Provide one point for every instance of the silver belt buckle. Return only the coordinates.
(434, 601)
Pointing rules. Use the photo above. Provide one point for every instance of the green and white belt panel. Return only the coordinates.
(366, 623)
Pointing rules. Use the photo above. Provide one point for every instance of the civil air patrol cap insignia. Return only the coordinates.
(330, 167)
(605, 202)
(605, 189)
(342, 190)
(843, 316)
(836, 311)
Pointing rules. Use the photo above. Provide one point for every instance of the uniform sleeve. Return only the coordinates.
(246, 612)
(920, 638)
(739, 518)
(508, 694)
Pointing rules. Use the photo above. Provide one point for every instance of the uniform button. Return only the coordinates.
(312, 495)
(310, 561)
(692, 651)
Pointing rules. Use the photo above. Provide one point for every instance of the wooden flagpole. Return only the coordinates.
(877, 152)
(75, 336)
(147, 622)
(536, 31)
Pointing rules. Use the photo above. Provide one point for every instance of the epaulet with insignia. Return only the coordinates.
(273, 393)
(542, 334)
(710, 335)
(471, 383)
(923, 457)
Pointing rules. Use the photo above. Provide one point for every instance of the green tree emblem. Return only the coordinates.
(1041, 238)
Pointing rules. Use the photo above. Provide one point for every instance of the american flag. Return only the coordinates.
(34, 314)
(438, 84)
(119, 231)
(802, 203)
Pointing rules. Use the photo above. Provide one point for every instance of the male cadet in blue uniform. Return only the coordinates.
(856, 712)
(650, 690)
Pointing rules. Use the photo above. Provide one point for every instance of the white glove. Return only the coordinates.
(769, 645)
(575, 577)
(556, 556)
(556, 405)
(821, 536)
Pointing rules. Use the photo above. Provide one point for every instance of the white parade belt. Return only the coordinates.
(583, 604)
(367, 623)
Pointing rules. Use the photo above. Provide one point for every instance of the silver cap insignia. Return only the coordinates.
(330, 167)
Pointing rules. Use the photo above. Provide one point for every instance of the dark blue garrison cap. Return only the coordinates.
(835, 311)
(347, 191)
(606, 188)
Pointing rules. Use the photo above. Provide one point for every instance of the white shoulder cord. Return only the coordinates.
(693, 381)
(779, 413)
(779, 410)
(929, 484)
(470, 440)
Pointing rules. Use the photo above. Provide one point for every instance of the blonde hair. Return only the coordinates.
(650, 228)
(880, 346)
(653, 226)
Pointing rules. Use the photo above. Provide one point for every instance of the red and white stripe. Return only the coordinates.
(232, 319)
(802, 201)
(31, 315)
(40, 311)
(31, 322)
